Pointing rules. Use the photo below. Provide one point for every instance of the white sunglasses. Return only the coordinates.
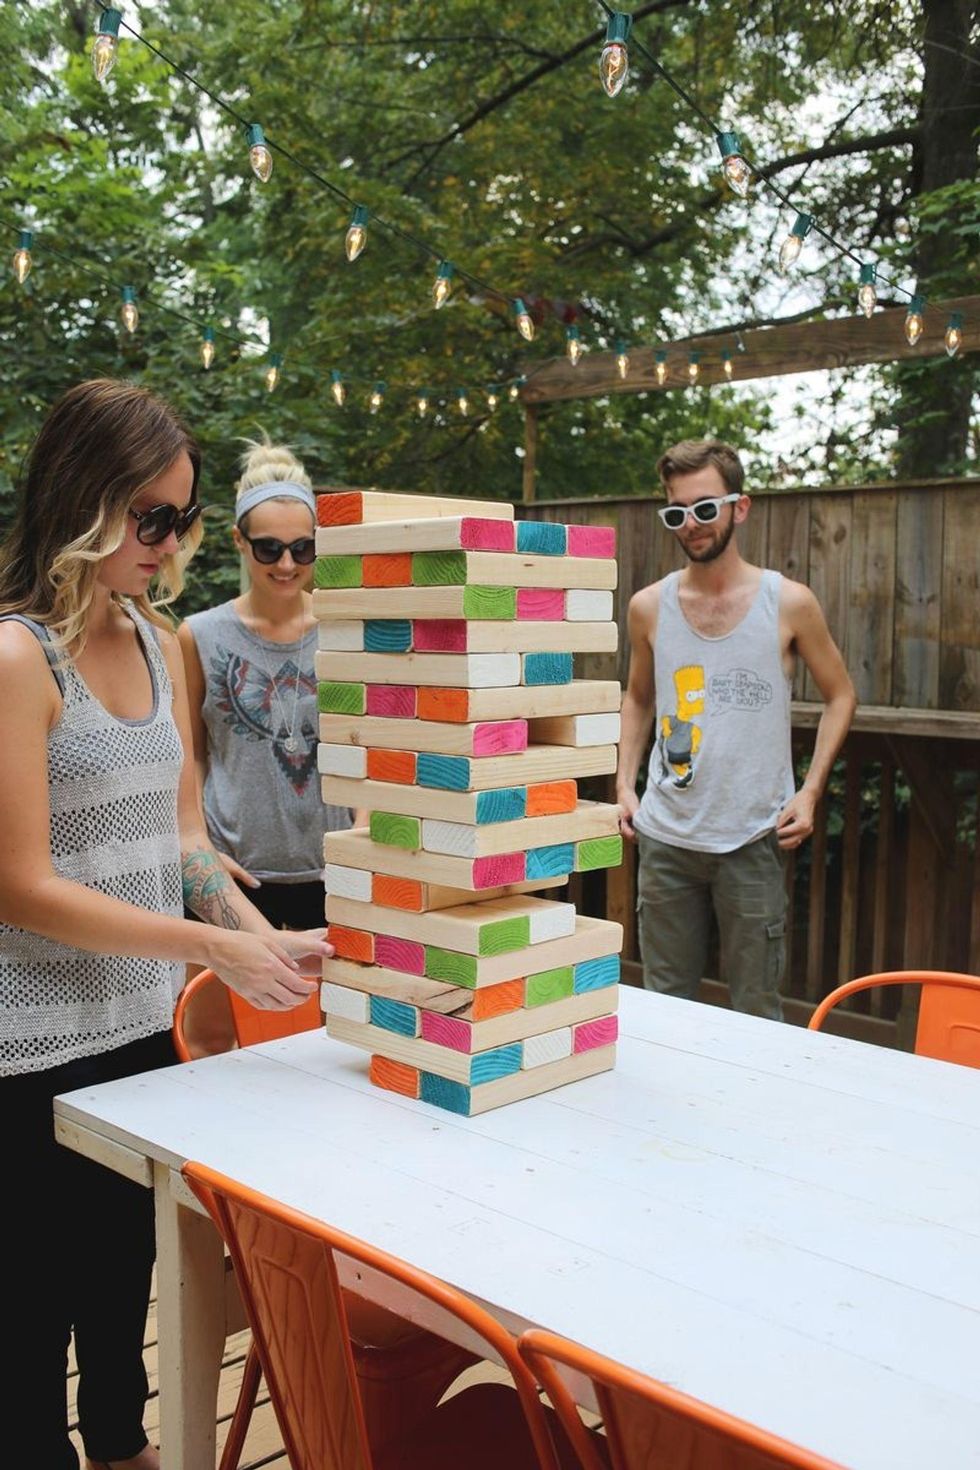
(704, 512)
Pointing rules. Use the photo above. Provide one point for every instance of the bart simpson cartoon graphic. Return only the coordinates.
(680, 737)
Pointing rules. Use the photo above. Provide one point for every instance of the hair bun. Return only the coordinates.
(264, 462)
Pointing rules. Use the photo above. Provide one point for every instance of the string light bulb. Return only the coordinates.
(106, 44)
(660, 365)
(207, 348)
(694, 367)
(377, 397)
(523, 319)
(462, 402)
(726, 362)
(614, 60)
(867, 291)
(913, 320)
(492, 400)
(441, 286)
(22, 256)
(790, 249)
(954, 333)
(622, 360)
(356, 237)
(573, 345)
(733, 165)
(273, 372)
(128, 311)
(259, 154)
(514, 391)
(338, 387)
(422, 402)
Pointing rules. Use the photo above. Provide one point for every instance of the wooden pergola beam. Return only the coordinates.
(801, 347)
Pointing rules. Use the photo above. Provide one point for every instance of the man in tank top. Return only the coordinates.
(713, 649)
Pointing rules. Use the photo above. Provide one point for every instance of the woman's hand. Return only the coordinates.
(264, 968)
(247, 880)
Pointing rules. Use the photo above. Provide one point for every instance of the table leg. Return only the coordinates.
(191, 1320)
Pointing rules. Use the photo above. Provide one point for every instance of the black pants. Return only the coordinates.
(80, 1241)
(290, 905)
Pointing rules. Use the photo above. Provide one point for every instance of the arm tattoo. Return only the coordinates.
(206, 889)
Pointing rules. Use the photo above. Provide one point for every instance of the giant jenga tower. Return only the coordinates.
(448, 710)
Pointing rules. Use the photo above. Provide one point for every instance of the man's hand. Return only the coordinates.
(795, 822)
(628, 807)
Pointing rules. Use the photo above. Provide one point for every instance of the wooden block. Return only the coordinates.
(344, 882)
(491, 927)
(554, 958)
(389, 765)
(385, 635)
(463, 706)
(461, 670)
(503, 804)
(443, 533)
(550, 861)
(339, 1000)
(489, 737)
(394, 1076)
(362, 507)
(541, 538)
(470, 1102)
(547, 1046)
(591, 541)
(394, 829)
(351, 944)
(470, 602)
(543, 604)
(434, 635)
(474, 1069)
(422, 898)
(341, 637)
(592, 1034)
(576, 730)
(547, 986)
(588, 607)
(394, 953)
(598, 852)
(356, 850)
(597, 974)
(337, 571)
(340, 699)
(392, 569)
(393, 1016)
(548, 798)
(538, 668)
(391, 701)
(591, 820)
(495, 1000)
(342, 760)
(536, 764)
(471, 1036)
(499, 569)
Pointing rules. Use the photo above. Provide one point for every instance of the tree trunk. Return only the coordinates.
(936, 395)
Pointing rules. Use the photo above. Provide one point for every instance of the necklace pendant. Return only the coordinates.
(291, 744)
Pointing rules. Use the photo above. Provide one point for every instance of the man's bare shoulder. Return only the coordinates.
(796, 601)
(647, 600)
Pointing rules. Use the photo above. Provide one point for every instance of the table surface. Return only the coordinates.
(783, 1223)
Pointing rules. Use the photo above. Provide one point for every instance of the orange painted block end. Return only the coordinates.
(396, 893)
(548, 798)
(394, 570)
(497, 1000)
(394, 1076)
(345, 509)
(452, 705)
(351, 944)
(392, 765)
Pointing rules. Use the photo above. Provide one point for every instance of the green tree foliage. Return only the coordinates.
(482, 129)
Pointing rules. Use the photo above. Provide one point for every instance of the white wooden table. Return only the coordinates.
(781, 1223)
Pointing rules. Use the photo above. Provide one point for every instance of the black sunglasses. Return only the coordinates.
(268, 550)
(155, 525)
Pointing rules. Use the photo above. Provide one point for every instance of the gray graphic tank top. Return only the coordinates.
(721, 766)
(262, 790)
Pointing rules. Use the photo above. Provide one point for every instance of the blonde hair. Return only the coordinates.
(100, 445)
(263, 463)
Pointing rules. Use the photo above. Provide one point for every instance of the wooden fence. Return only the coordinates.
(891, 878)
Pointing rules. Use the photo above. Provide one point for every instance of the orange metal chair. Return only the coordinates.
(647, 1424)
(286, 1264)
(402, 1370)
(949, 1011)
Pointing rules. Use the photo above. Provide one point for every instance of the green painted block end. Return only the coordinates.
(439, 568)
(598, 852)
(450, 965)
(395, 830)
(502, 936)
(341, 699)
(337, 571)
(497, 603)
(549, 985)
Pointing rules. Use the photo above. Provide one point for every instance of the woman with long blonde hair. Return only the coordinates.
(100, 836)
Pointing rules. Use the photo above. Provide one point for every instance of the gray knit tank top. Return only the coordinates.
(113, 792)
(721, 766)
(262, 788)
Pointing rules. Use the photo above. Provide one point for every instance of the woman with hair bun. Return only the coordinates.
(100, 838)
(252, 689)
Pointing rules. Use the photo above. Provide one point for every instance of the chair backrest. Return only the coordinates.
(207, 1006)
(949, 1011)
(649, 1424)
(286, 1267)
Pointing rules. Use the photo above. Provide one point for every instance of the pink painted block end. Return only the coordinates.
(439, 635)
(591, 541)
(476, 534)
(500, 737)
(507, 867)
(591, 1034)
(540, 604)
(399, 954)
(394, 701)
(447, 1031)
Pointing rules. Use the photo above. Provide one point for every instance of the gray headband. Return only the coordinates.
(275, 490)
